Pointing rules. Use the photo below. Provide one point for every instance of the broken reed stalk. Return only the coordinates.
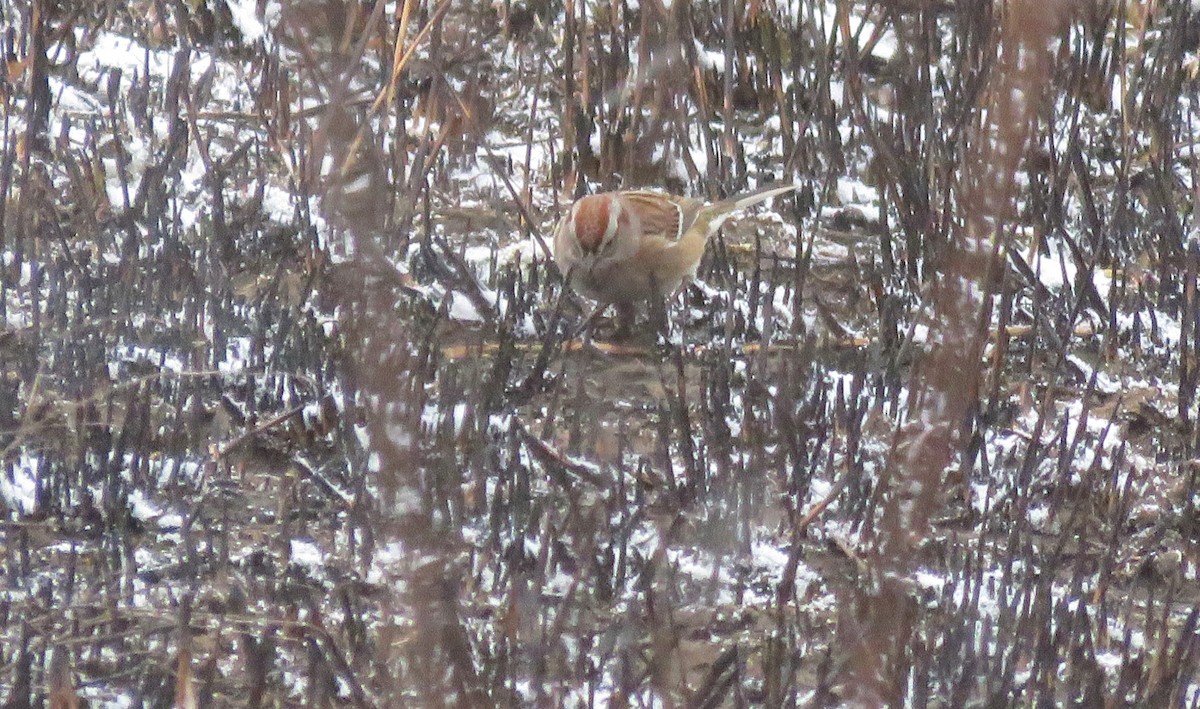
(728, 138)
(877, 623)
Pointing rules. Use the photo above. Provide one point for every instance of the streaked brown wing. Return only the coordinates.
(663, 214)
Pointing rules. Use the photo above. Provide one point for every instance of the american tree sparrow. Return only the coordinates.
(625, 247)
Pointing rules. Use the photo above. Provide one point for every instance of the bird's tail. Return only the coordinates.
(710, 217)
(716, 213)
(741, 201)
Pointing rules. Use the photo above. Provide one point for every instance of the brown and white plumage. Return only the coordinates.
(623, 247)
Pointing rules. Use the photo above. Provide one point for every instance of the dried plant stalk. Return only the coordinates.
(877, 623)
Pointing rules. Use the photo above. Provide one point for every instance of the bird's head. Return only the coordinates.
(596, 220)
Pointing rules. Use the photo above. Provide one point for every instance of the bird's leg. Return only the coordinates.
(657, 309)
(658, 316)
(626, 312)
(590, 320)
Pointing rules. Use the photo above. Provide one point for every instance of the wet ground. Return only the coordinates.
(268, 449)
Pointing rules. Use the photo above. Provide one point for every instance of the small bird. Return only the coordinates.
(626, 247)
